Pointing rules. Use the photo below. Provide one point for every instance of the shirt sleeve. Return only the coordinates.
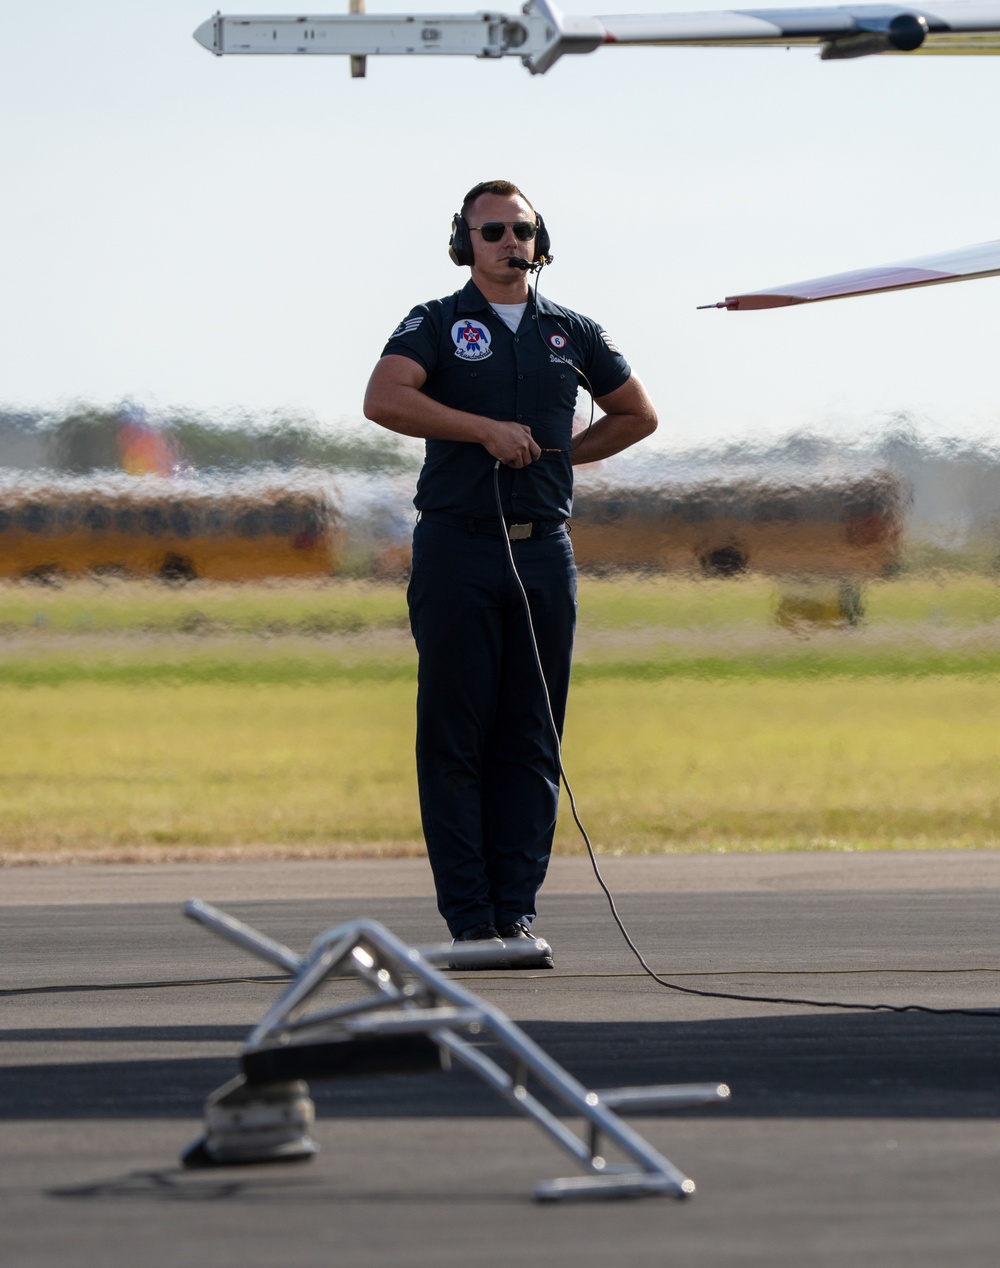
(606, 368)
(415, 337)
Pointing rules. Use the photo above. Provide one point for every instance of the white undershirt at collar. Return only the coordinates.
(510, 314)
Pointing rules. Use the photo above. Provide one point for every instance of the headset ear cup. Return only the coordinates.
(543, 245)
(460, 244)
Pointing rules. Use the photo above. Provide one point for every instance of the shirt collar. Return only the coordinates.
(472, 300)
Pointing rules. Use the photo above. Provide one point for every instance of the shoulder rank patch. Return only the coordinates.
(407, 326)
(610, 342)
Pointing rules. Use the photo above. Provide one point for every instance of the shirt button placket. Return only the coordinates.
(520, 376)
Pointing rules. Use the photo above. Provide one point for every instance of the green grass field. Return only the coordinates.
(149, 722)
(947, 599)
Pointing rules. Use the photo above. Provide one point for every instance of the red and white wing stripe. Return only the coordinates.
(981, 260)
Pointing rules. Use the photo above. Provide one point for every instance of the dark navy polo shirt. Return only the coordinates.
(476, 363)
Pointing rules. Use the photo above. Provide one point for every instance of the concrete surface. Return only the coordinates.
(853, 1137)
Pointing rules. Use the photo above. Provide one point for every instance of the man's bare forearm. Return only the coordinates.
(410, 412)
(405, 409)
(629, 416)
(610, 435)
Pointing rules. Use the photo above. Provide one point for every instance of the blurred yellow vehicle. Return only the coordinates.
(843, 528)
(176, 528)
(821, 539)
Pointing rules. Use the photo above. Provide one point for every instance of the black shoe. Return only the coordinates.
(518, 932)
(478, 933)
(487, 936)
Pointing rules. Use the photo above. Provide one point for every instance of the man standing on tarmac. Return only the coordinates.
(489, 379)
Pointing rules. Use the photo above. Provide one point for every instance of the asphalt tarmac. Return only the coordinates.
(852, 1138)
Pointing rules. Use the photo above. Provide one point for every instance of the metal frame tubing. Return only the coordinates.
(412, 996)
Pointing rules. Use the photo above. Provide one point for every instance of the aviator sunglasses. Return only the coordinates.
(493, 230)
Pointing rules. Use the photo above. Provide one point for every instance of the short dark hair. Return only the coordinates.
(503, 189)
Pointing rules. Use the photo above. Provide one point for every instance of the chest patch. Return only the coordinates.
(472, 340)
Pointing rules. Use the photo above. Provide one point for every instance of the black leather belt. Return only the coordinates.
(517, 531)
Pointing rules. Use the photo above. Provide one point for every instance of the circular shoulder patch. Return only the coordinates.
(471, 339)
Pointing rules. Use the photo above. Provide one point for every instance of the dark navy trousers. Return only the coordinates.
(487, 762)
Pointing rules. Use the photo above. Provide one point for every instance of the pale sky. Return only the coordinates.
(244, 233)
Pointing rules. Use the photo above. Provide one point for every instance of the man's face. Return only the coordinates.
(491, 257)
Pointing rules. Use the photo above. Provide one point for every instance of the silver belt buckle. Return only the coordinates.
(519, 532)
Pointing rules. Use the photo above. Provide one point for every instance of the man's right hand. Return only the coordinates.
(512, 443)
